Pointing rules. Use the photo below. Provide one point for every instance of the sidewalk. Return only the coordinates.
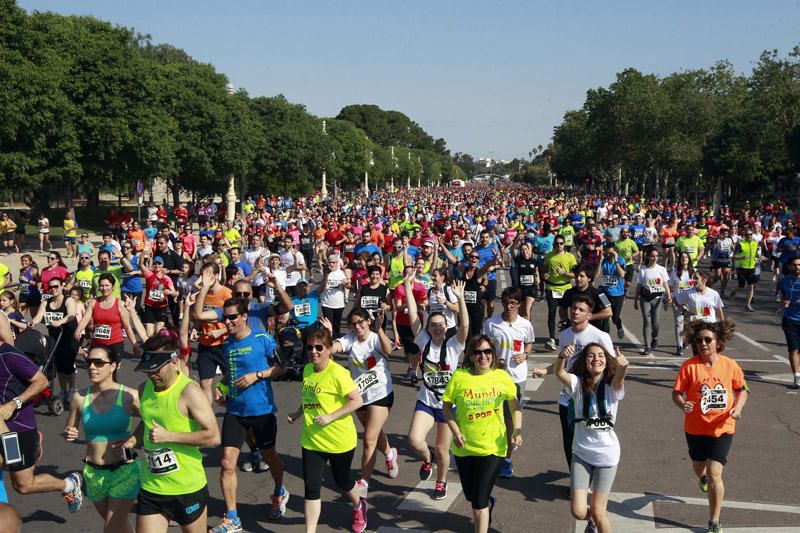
(32, 242)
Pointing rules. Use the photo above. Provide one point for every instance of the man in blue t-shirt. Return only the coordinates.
(488, 251)
(366, 245)
(790, 294)
(250, 406)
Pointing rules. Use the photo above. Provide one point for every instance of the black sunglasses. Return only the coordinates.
(99, 363)
(242, 294)
(231, 317)
(312, 347)
(486, 351)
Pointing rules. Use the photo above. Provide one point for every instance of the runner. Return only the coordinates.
(611, 274)
(583, 274)
(652, 288)
(43, 225)
(176, 421)
(680, 280)
(711, 391)
(29, 296)
(721, 260)
(748, 267)
(328, 397)
(595, 385)
(558, 271)
(158, 289)
(440, 358)
(249, 406)
(471, 404)
(699, 302)
(332, 299)
(105, 409)
(790, 295)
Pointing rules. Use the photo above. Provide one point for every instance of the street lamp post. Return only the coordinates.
(419, 176)
(408, 176)
(371, 163)
(324, 189)
(230, 196)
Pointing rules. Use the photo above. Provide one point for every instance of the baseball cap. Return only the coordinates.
(303, 281)
(153, 361)
(158, 259)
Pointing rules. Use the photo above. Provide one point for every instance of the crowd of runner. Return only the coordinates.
(185, 293)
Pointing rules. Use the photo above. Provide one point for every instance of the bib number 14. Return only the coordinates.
(162, 461)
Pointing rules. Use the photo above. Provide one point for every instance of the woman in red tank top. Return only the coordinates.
(108, 317)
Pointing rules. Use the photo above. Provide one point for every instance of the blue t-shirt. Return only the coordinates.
(543, 245)
(487, 254)
(370, 248)
(306, 309)
(609, 270)
(788, 248)
(637, 232)
(257, 315)
(150, 232)
(131, 281)
(790, 290)
(244, 356)
(244, 267)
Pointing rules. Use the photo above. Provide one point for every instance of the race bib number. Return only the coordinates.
(156, 295)
(366, 380)
(470, 297)
(610, 281)
(437, 380)
(690, 250)
(84, 284)
(302, 309)
(713, 399)
(103, 331)
(568, 240)
(370, 302)
(655, 286)
(599, 424)
(556, 295)
(46, 297)
(669, 240)
(161, 461)
(332, 284)
(50, 317)
(136, 242)
(24, 289)
(527, 279)
(685, 286)
(349, 247)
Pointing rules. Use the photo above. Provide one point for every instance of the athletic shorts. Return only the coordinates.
(791, 330)
(104, 483)
(629, 272)
(491, 291)
(528, 290)
(720, 264)
(704, 447)
(70, 240)
(746, 276)
(583, 475)
(235, 428)
(208, 359)
(152, 315)
(31, 301)
(184, 509)
(29, 446)
(437, 414)
(407, 339)
(386, 401)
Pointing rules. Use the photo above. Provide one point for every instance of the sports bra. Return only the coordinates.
(114, 424)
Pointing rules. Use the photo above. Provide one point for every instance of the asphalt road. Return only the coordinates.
(654, 488)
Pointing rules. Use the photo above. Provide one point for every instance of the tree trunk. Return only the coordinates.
(176, 192)
(93, 198)
(717, 194)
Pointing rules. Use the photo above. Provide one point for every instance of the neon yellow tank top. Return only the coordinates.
(396, 267)
(168, 468)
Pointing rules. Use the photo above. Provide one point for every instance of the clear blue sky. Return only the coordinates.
(484, 75)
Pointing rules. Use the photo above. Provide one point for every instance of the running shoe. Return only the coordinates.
(409, 373)
(392, 466)
(363, 488)
(703, 482)
(550, 345)
(492, 501)
(749, 309)
(507, 469)
(360, 517)
(75, 496)
(425, 471)
(654, 344)
(228, 525)
(714, 527)
(620, 333)
(645, 352)
(279, 505)
(440, 490)
(591, 527)
(414, 378)
(262, 464)
(252, 459)
(795, 384)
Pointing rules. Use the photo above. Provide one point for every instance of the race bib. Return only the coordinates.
(46, 297)
(437, 380)
(366, 380)
(156, 295)
(349, 247)
(370, 302)
(655, 286)
(470, 297)
(302, 309)
(103, 331)
(690, 250)
(685, 286)
(556, 295)
(24, 289)
(713, 399)
(84, 284)
(599, 424)
(610, 281)
(161, 461)
(50, 317)
(568, 240)
(332, 284)
(527, 279)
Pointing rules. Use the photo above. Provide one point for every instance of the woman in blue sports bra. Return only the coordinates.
(105, 409)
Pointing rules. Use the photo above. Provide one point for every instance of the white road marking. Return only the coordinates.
(781, 358)
(751, 341)
(533, 384)
(420, 499)
(631, 336)
(779, 378)
(387, 529)
(641, 506)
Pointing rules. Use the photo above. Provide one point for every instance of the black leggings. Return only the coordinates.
(475, 312)
(335, 316)
(313, 461)
(616, 309)
(552, 307)
(567, 433)
(478, 475)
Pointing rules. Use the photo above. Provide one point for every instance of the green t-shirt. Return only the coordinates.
(323, 393)
(690, 245)
(626, 249)
(552, 262)
(568, 232)
(478, 402)
(114, 270)
(85, 279)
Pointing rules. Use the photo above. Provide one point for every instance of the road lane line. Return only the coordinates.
(631, 336)
(751, 341)
(781, 358)
(420, 500)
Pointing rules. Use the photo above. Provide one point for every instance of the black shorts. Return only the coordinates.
(407, 339)
(235, 428)
(720, 264)
(746, 276)
(491, 291)
(152, 315)
(791, 330)
(386, 401)
(704, 447)
(34, 300)
(629, 272)
(528, 290)
(29, 448)
(208, 359)
(184, 509)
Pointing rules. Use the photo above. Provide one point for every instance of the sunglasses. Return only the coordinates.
(474, 257)
(314, 347)
(85, 257)
(484, 352)
(705, 340)
(230, 318)
(51, 287)
(355, 323)
(242, 294)
(51, 258)
(99, 363)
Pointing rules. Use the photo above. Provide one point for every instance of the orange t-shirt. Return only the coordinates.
(137, 239)
(214, 299)
(668, 235)
(712, 389)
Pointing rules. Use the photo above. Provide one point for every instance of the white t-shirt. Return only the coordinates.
(289, 258)
(509, 340)
(598, 446)
(280, 278)
(369, 367)
(678, 285)
(433, 298)
(251, 256)
(581, 338)
(333, 293)
(434, 377)
(653, 278)
(702, 307)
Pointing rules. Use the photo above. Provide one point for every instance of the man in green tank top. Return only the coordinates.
(176, 421)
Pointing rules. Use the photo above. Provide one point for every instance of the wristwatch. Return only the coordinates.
(259, 375)
(17, 402)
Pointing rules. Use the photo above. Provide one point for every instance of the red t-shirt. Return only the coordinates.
(420, 296)
(157, 287)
